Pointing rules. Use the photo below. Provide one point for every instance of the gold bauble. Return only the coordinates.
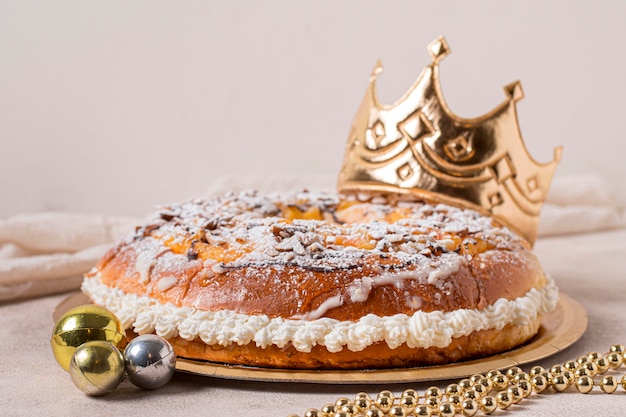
(328, 409)
(409, 403)
(609, 384)
(97, 367)
(469, 408)
(615, 360)
(396, 411)
(500, 382)
(384, 401)
(423, 410)
(488, 404)
(584, 384)
(526, 388)
(504, 400)
(312, 412)
(539, 383)
(446, 410)
(374, 412)
(456, 401)
(83, 324)
(536, 370)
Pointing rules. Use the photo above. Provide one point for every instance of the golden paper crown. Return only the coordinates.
(417, 146)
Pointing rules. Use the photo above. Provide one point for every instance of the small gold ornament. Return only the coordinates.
(515, 393)
(521, 376)
(465, 384)
(409, 403)
(584, 384)
(423, 410)
(570, 366)
(384, 401)
(536, 370)
(349, 409)
(410, 393)
(560, 383)
(500, 382)
(469, 407)
(614, 359)
(526, 388)
(454, 389)
(539, 383)
(432, 402)
(446, 410)
(475, 378)
(97, 367)
(488, 404)
(341, 402)
(362, 401)
(328, 409)
(511, 372)
(608, 384)
(556, 370)
(603, 365)
(83, 324)
(471, 394)
(504, 400)
(491, 374)
(592, 368)
(375, 412)
(487, 383)
(456, 401)
(479, 389)
(432, 392)
(397, 411)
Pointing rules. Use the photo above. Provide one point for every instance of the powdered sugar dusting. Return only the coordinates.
(333, 241)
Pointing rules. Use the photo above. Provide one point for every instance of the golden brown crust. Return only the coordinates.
(476, 284)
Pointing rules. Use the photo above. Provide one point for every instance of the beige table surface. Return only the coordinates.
(589, 267)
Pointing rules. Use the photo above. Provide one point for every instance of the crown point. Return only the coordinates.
(438, 49)
(558, 151)
(378, 68)
(514, 91)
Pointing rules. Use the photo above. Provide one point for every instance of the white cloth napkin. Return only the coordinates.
(48, 252)
(580, 203)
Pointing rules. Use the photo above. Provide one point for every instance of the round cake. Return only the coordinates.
(324, 281)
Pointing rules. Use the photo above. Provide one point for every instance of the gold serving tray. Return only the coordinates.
(559, 329)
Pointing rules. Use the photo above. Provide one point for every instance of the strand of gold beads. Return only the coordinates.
(486, 393)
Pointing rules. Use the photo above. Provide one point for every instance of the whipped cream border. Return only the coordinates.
(224, 327)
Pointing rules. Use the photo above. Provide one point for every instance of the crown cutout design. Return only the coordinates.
(419, 148)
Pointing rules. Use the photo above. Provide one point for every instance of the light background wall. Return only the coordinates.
(115, 106)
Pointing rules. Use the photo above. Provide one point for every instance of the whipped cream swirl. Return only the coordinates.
(224, 327)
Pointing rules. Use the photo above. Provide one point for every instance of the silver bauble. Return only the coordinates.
(150, 361)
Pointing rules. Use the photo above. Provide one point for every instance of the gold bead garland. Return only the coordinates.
(486, 393)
